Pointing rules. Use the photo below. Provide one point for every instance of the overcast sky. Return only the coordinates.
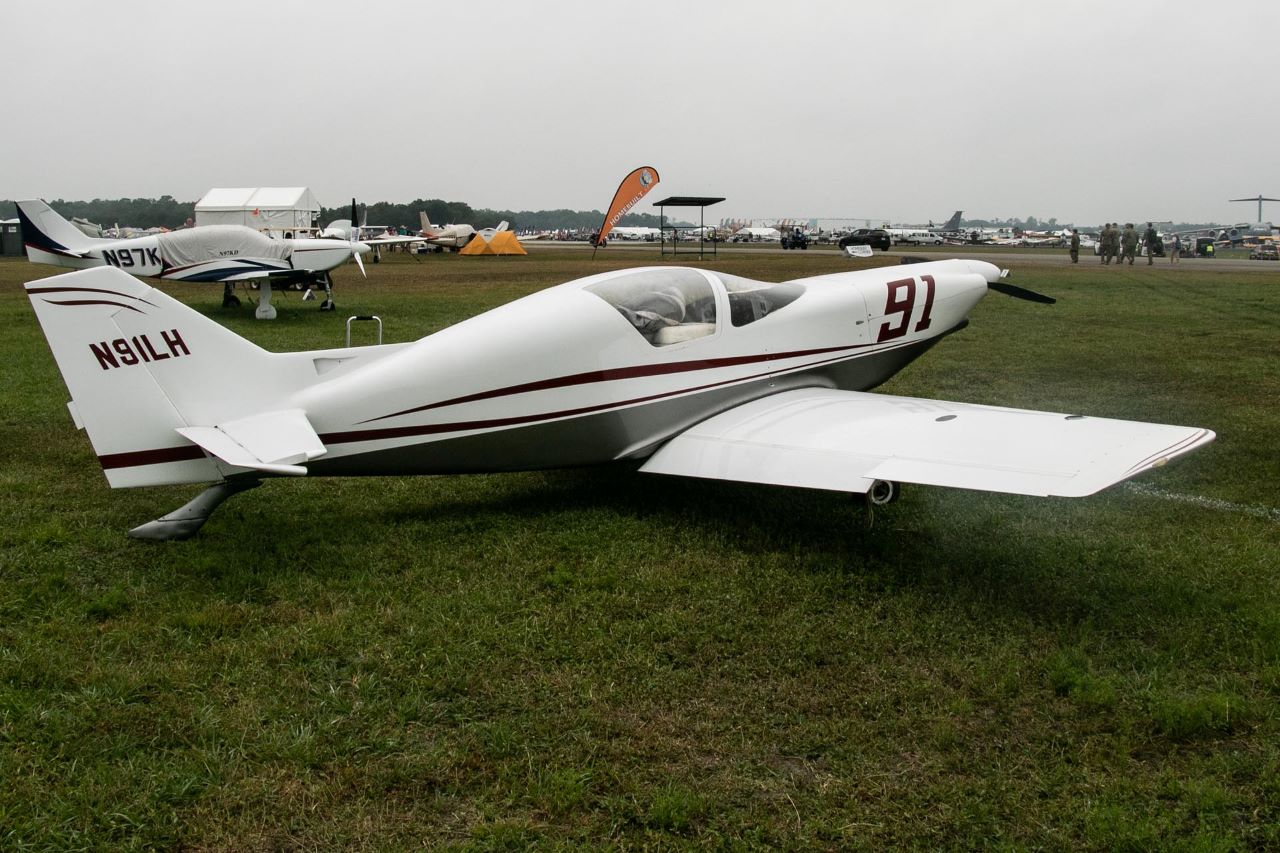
(1084, 111)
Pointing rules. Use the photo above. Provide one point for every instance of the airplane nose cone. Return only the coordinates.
(990, 272)
(360, 248)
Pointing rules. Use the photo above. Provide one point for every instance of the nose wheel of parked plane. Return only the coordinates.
(327, 305)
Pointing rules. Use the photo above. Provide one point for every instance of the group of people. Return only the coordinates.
(1122, 245)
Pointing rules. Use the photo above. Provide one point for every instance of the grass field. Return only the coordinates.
(603, 658)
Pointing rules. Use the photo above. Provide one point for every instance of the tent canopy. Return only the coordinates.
(269, 208)
(502, 243)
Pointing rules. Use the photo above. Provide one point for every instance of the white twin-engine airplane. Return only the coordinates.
(206, 253)
(698, 373)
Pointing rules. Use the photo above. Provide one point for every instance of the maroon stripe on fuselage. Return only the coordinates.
(463, 426)
(636, 372)
(350, 436)
(134, 458)
(183, 454)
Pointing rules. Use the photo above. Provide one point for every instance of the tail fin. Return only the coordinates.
(425, 221)
(502, 226)
(953, 224)
(140, 366)
(45, 230)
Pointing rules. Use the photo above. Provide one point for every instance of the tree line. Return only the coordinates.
(167, 212)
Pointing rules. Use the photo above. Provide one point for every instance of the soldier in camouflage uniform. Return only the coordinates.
(1151, 239)
(1075, 245)
(1129, 241)
(1104, 243)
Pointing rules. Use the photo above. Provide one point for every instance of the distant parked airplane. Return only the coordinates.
(453, 237)
(206, 253)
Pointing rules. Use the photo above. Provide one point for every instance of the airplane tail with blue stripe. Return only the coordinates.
(44, 231)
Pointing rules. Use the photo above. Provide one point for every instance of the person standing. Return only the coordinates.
(1104, 243)
(1075, 245)
(1129, 243)
(1176, 250)
(1150, 238)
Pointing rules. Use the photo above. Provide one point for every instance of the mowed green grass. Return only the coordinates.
(602, 658)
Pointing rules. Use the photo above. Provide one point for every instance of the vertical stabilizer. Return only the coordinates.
(140, 365)
(45, 230)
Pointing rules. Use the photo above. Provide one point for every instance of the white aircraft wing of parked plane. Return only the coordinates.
(825, 438)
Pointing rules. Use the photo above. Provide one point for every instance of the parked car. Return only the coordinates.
(922, 239)
(876, 238)
(1265, 252)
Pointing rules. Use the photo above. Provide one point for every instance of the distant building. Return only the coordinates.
(282, 211)
(10, 238)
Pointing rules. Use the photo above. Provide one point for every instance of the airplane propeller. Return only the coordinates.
(1020, 292)
(357, 248)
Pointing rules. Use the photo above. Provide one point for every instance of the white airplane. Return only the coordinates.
(452, 237)
(698, 373)
(635, 232)
(206, 253)
(928, 234)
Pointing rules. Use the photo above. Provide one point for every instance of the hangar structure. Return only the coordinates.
(279, 211)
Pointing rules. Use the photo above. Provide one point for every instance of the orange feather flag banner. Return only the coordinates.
(633, 188)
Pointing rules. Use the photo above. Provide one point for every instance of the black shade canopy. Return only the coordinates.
(688, 201)
(701, 201)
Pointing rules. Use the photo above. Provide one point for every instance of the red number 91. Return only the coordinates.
(900, 300)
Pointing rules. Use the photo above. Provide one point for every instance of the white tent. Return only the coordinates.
(281, 210)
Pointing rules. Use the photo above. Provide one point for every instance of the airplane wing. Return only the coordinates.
(393, 241)
(273, 442)
(845, 440)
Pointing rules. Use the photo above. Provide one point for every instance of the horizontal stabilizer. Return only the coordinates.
(845, 440)
(275, 442)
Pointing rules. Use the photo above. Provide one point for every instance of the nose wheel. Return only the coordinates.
(327, 282)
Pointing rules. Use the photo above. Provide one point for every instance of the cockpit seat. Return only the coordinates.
(683, 332)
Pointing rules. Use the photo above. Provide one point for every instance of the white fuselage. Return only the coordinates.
(565, 370)
(142, 256)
